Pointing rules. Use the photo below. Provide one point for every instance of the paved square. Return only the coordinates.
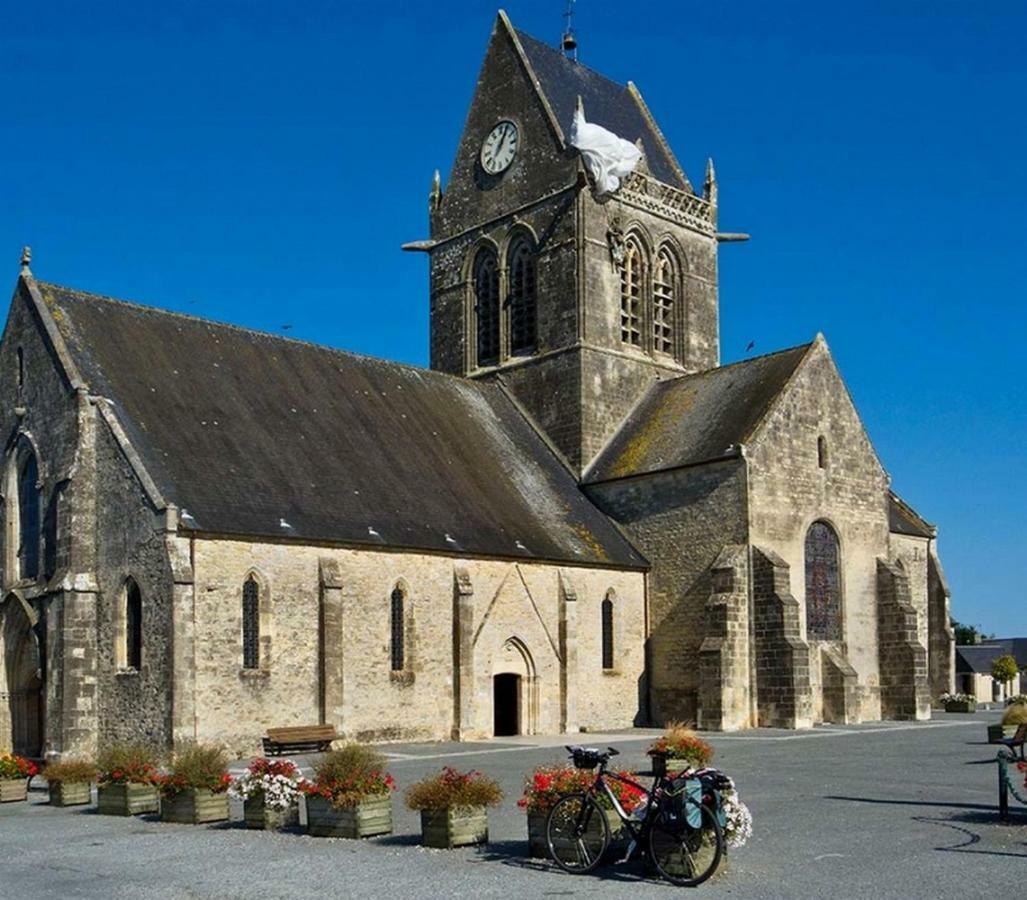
(883, 810)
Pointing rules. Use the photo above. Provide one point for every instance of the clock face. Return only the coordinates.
(499, 148)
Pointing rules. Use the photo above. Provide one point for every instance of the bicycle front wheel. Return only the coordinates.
(683, 854)
(577, 833)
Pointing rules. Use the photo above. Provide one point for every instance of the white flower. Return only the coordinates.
(738, 825)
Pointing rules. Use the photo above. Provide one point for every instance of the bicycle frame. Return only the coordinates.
(600, 786)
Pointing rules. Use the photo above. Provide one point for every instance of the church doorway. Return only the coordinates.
(506, 701)
(21, 684)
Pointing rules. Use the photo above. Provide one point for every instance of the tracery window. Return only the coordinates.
(663, 303)
(398, 635)
(28, 516)
(133, 638)
(486, 304)
(607, 633)
(823, 588)
(523, 306)
(631, 281)
(251, 624)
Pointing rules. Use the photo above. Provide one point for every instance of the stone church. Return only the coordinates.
(577, 520)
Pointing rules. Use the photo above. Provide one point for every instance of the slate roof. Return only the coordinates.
(903, 519)
(261, 435)
(979, 657)
(696, 418)
(607, 103)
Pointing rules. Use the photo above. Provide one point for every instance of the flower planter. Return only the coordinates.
(257, 815)
(366, 819)
(538, 846)
(14, 789)
(460, 827)
(961, 706)
(71, 793)
(663, 764)
(127, 799)
(194, 806)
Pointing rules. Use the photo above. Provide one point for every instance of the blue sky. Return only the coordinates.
(261, 164)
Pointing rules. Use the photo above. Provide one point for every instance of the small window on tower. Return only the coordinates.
(631, 276)
(822, 452)
(663, 304)
(486, 305)
(21, 368)
(523, 315)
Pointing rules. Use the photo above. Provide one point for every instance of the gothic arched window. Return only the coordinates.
(133, 625)
(823, 584)
(251, 624)
(663, 303)
(631, 280)
(398, 633)
(28, 516)
(523, 307)
(486, 305)
(607, 633)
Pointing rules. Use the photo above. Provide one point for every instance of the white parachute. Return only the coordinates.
(608, 158)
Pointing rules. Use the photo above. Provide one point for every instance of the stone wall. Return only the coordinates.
(941, 648)
(789, 491)
(903, 659)
(680, 520)
(509, 618)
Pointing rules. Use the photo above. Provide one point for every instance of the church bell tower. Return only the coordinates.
(574, 302)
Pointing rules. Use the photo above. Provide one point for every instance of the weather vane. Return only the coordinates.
(568, 43)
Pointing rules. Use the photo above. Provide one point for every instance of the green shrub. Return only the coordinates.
(452, 790)
(70, 771)
(350, 775)
(127, 763)
(199, 766)
(1015, 715)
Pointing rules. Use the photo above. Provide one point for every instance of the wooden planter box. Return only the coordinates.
(194, 806)
(997, 732)
(14, 789)
(538, 848)
(961, 706)
(257, 815)
(663, 764)
(127, 799)
(72, 793)
(448, 828)
(366, 819)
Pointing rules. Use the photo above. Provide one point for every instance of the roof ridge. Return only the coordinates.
(172, 313)
(737, 362)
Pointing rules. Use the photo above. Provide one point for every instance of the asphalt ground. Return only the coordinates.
(882, 810)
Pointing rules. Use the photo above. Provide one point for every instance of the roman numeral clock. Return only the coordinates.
(499, 148)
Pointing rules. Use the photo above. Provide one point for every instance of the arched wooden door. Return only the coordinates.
(21, 684)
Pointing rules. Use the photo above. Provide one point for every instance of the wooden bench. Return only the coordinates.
(1016, 742)
(299, 739)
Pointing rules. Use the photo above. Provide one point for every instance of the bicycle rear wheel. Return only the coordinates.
(577, 833)
(683, 854)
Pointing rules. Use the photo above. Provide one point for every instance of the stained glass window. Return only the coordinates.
(663, 304)
(251, 624)
(607, 633)
(522, 297)
(631, 276)
(486, 304)
(398, 649)
(823, 591)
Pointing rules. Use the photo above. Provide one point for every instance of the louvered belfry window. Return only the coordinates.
(823, 588)
(251, 624)
(663, 304)
(486, 305)
(631, 277)
(398, 636)
(523, 306)
(607, 633)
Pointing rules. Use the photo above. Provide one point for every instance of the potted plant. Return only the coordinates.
(194, 791)
(127, 776)
(270, 791)
(959, 703)
(454, 807)
(70, 782)
(548, 784)
(679, 748)
(15, 772)
(351, 794)
(1014, 716)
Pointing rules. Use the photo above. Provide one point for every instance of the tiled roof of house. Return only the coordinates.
(255, 434)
